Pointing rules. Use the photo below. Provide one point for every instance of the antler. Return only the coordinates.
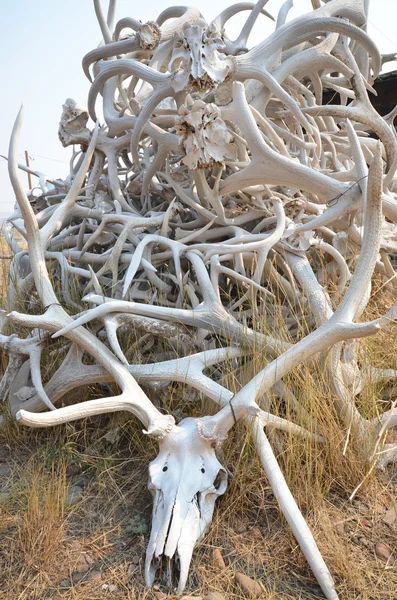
(55, 317)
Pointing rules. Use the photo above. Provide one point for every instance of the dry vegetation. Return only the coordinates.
(95, 548)
(5, 255)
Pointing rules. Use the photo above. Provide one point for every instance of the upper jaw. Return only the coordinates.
(173, 544)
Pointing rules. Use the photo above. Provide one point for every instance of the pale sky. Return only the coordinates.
(43, 42)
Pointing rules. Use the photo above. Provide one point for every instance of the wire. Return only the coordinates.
(380, 31)
(334, 201)
(32, 157)
(65, 162)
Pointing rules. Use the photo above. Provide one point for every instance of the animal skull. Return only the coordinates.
(72, 126)
(185, 479)
(196, 50)
(205, 136)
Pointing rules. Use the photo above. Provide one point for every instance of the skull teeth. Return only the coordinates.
(166, 569)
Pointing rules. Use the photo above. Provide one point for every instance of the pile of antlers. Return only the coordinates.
(197, 213)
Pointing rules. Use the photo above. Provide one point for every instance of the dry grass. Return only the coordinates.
(95, 549)
(5, 253)
(42, 544)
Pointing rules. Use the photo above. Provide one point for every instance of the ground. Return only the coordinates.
(75, 518)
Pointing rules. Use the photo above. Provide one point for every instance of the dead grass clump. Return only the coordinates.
(41, 530)
(33, 522)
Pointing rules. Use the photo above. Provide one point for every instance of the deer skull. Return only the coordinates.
(185, 479)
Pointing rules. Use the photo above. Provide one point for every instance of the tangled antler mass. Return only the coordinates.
(219, 194)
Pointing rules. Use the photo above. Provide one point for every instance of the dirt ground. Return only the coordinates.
(75, 518)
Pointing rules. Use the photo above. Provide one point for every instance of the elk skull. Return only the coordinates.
(197, 52)
(185, 479)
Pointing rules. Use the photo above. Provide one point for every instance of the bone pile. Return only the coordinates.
(216, 193)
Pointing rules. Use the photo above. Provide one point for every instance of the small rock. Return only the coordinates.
(256, 533)
(76, 577)
(340, 528)
(110, 588)
(80, 480)
(366, 523)
(75, 494)
(159, 595)
(135, 559)
(120, 513)
(76, 545)
(84, 563)
(383, 552)
(72, 470)
(248, 585)
(390, 516)
(192, 598)
(95, 577)
(217, 559)
(214, 596)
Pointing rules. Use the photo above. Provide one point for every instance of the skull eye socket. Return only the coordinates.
(165, 469)
(202, 470)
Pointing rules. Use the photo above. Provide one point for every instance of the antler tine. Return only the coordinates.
(103, 23)
(291, 511)
(220, 21)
